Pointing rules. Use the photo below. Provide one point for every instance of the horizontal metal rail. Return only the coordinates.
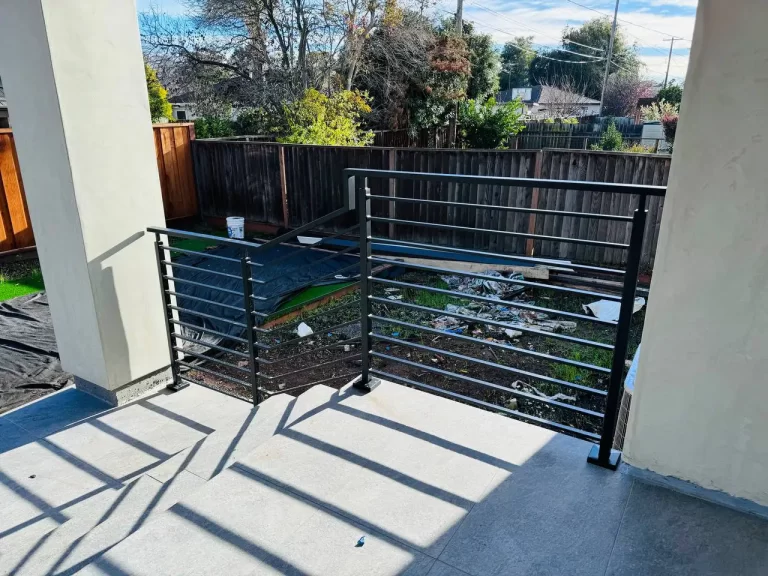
(307, 368)
(503, 367)
(486, 384)
(211, 359)
(210, 345)
(541, 237)
(205, 300)
(213, 373)
(263, 360)
(189, 380)
(332, 256)
(496, 256)
(309, 283)
(508, 347)
(507, 303)
(208, 331)
(289, 325)
(643, 189)
(173, 233)
(209, 316)
(502, 208)
(499, 324)
(308, 384)
(196, 269)
(200, 253)
(201, 285)
(297, 232)
(502, 279)
(493, 407)
(300, 338)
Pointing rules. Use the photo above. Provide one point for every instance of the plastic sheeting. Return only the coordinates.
(29, 358)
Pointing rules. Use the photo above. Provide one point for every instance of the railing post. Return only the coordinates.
(253, 353)
(603, 455)
(364, 219)
(176, 382)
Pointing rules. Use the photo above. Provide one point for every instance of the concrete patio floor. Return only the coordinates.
(196, 482)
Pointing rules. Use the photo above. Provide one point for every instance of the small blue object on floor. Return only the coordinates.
(360, 542)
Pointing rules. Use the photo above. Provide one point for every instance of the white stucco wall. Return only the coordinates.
(74, 78)
(700, 409)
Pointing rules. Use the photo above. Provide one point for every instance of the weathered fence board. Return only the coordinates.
(243, 178)
(174, 164)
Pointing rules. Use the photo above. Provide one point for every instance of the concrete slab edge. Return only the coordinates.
(694, 490)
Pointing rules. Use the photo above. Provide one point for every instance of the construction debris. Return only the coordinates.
(480, 286)
(609, 309)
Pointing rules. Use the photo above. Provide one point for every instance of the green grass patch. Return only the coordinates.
(593, 356)
(312, 293)
(29, 284)
(193, 244)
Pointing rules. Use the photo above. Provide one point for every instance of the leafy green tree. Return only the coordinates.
(159, 107)
(595, 33)
(673, 93)
(334, 121)
(484, 64)
(516, 58)
(489, 125)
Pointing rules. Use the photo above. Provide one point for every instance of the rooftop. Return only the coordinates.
(196, 482)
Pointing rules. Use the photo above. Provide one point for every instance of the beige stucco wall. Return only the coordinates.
(74, 78)
(700, 410)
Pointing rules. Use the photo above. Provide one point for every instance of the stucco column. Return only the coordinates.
(74, 77)
(700, 409)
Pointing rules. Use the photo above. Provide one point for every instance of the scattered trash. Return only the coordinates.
(556, 325)
(486, 286)
(395, 297)
(512, 403)
(609, 310)
(391, 290)
(347, 348)
(33, 475)
(395, 334)
(533, 390)
(280, 386)
(303, 330)
(512, 333)
(360, 542)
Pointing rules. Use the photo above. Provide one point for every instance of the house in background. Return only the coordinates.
(551, 102)
(183, 107)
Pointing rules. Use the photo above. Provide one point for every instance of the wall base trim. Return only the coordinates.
(690, 489)
(129, 391)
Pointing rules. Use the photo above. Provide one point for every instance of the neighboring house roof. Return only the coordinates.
(543, 95)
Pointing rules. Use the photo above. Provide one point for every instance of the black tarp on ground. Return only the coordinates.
(286, 270)
(29, 358)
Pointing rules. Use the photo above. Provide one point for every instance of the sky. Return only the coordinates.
(647, 23)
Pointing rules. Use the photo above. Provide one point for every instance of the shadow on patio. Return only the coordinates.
(198, 483)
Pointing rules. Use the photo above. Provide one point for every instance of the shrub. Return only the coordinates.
(213, 127)
(489, 125)
(669, 123)
(657, 110)
(333, 121)
(159, 107)
(611, 139)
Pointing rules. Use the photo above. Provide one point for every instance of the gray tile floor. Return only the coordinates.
(437, 488)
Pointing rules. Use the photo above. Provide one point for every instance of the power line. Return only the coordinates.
(500, 15)
(623, 20)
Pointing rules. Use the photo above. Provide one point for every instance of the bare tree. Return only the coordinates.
(622, 93)
(564, 99)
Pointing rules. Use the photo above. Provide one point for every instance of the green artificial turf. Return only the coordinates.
(312, 293)
(20, 286)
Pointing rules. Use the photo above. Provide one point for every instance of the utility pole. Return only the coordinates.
(669, 60)
(459, 17)
(453, 122)
(609, 56)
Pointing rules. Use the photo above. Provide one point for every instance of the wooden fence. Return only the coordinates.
(291, 185)
(174, 163)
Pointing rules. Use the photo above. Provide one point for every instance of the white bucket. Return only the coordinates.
(236, 227)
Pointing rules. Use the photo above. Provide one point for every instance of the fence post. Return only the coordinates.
(603, 455)
(364, 219)
(534, 203)
(392, 191)
(283, 186)
(253, 365)
(176, 382)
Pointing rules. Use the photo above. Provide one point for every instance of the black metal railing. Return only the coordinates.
(410, 305)
(228, 324)
(394, 329)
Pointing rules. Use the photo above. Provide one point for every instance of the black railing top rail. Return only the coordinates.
(642, 189)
